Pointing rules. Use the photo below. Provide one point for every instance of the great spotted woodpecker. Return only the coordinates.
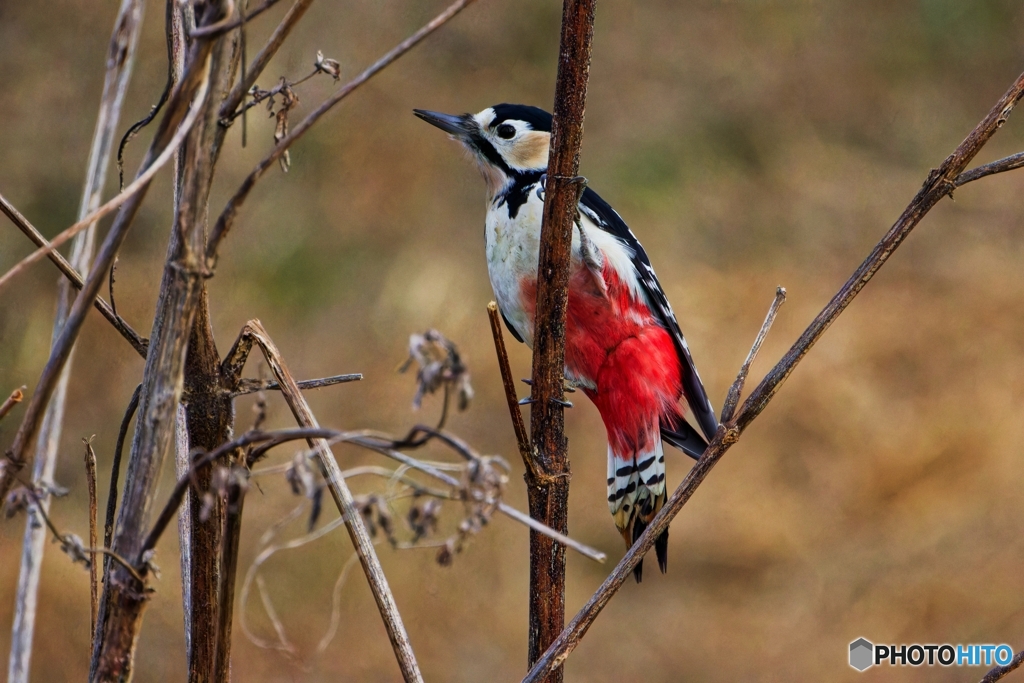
(624, 348)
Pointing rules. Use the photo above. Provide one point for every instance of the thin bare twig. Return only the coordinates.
(212, 31)
(343, 499)
(251, 386)
(14, 399)
(999, 672)
(94, 577)
(252, 71)
(134, 338)
(556, 536)
(518, 425)
(732, 399)
(1010, 163)
(938, 185)
(115, 469)
(227, 216)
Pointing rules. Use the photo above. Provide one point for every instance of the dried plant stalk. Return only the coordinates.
(120, 59)
(548, 489)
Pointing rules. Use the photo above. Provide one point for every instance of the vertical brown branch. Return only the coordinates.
(209, 417)
(548, 490)
(124, 599)
(94, 570)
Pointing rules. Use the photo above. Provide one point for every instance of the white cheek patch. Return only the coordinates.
(530, 150)
(485, 118)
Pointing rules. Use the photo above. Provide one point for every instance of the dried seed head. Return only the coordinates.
(423, 519)
(18, 500)
(331, 67)
(446, 553)
(440, 366)
(72, 546)
(300, 476)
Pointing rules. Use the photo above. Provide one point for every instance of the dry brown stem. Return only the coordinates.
(548, 482)
(94, 577)
(251, 386)
(253, 332)
(999, 672)
(14, 399)
(120, 59)
(124, 597)
(522, 437)
(732, 399)
(939, 184)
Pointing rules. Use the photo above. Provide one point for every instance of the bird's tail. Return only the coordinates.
(636, 492)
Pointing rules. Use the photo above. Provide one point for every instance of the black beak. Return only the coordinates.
(461, 126)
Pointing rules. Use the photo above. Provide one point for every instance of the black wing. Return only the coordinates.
(682, 436)
(509, 326)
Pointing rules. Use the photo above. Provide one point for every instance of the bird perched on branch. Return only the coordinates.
(623, 345)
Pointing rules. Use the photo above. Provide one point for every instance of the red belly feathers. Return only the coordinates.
(614, 343)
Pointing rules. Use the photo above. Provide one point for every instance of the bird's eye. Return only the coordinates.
(506, 131)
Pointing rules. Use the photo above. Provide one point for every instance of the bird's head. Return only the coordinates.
(507, 140)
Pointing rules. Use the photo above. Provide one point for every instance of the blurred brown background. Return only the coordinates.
(749, 144)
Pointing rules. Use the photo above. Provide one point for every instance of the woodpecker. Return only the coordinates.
(623, 345)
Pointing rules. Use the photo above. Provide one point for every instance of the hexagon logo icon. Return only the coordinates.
(861, 654)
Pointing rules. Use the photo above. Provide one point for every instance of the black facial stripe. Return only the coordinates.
(518, 192)
(487, 149)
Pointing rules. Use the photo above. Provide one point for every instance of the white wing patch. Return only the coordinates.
(616, 254)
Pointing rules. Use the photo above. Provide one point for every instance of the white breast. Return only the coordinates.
(513, 249)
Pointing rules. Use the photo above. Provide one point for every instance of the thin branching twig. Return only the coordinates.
(732, 398)
(227, 216)
(134, 338)
(999, 672)
(518, 425)
(14, 399)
